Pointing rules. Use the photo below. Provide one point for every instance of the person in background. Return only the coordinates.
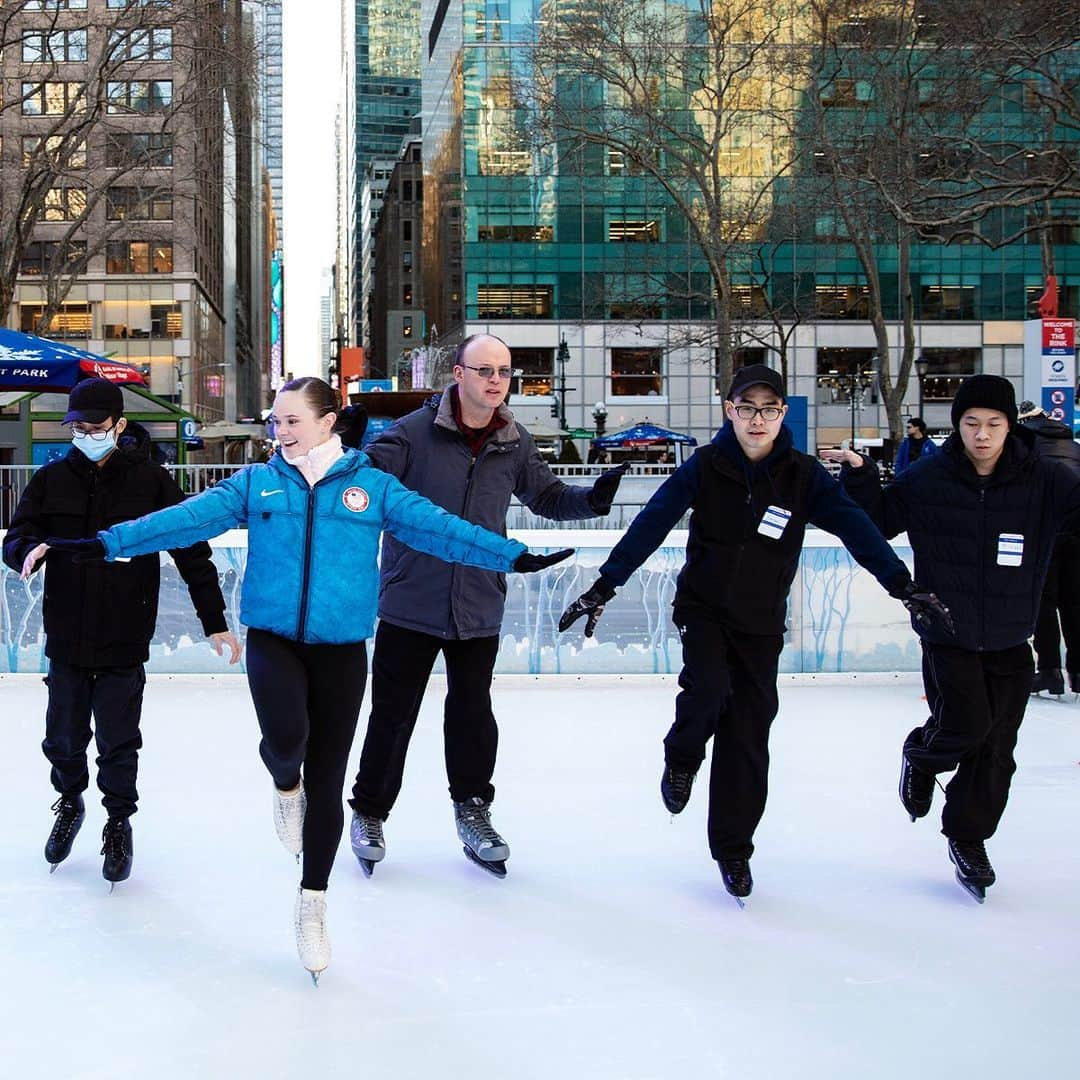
(752, 495)
(1061, 591)
(981, 517)
(100, 618)
(314, 515)
(465, 451)
(916, 446)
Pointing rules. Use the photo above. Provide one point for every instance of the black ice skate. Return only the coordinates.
(482, 844)
(675, 786)
(366, 836)
(737, 878)
(1050, 680)
(1074, 681)
(973, 869)
(70, 811)
(916, 789)
(118, 849)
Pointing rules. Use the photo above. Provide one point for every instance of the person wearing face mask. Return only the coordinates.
(752, 495)
(99, 618)
(315, 514)
(982, 518)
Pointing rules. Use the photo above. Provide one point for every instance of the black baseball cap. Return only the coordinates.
(756, 375)
(93, 401)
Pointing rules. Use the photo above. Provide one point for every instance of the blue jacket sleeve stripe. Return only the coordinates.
(426, 527)
(659, 516)
(829, 507)
(207, 514)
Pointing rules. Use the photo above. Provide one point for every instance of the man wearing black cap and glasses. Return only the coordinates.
(981, 517)
(99, 617)
(752, 496)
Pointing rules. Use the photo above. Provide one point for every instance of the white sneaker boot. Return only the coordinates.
(289, 810)
(312, 940)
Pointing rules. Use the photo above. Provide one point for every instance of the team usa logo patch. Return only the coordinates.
(355, 499)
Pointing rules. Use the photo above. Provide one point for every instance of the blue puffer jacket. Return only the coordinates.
(311, 568)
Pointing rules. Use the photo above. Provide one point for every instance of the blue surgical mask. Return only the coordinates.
(94, 449)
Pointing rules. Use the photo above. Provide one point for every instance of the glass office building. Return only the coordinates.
(583, 250)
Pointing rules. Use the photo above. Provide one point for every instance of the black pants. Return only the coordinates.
(400, 670)
(307, 699)
(728, 692)
(1060, 597)
(977, 703)
(114, 697)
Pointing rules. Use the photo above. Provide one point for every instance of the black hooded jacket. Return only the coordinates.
(981, 543)
(102, 614)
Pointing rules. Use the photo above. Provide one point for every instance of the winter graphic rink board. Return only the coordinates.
(839, 618)
(610, 952)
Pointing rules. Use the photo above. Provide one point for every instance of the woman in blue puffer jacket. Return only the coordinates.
(314, 514)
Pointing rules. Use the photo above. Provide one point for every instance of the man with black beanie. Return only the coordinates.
(752, 495)
(981, 517)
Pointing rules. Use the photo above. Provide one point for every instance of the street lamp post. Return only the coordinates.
(560, 389)
(599, 415)
(922, 366)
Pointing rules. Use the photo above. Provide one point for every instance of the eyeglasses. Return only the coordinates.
(486, 372)
(97, 436)
(748, 412)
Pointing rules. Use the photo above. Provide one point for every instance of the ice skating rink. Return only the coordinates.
(610, 951)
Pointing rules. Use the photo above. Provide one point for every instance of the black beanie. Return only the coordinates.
(984, 392)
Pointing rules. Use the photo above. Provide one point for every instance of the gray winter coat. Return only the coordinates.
(427, 453)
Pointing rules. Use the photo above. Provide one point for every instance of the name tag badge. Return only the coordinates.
(1010, 549)
(774, 522)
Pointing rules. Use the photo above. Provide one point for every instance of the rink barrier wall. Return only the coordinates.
(839, 619)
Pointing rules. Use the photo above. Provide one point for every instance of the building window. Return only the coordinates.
(534, 371)
(64, 204)
(52, 98)
(55, 147)
(752, 354)
(642, 231)
(842, 301)
(531, 234)
(166, 321)
(839, 370)
(514, 301)
(406, 295)
(53, 46)
(846, 93)
(140, 96)
(54, 5)
(141, 44)
(40, 257)
(637, 372)
(71, 321)
(406, 191)
(138, 204)
(406, 326)
(406, 231)
(138, 3)
(947, 302)
(947, 370)
(138, 257)
(152, 148)
(749, 301)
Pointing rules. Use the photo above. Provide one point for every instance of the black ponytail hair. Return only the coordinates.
(318, 394)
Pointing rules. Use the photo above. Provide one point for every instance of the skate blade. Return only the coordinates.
(497, 868)
(740, 901)
(976, 892)
(367, 866)
(315, 977)
(52, 867)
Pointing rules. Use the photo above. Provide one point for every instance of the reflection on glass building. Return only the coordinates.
(538, 245)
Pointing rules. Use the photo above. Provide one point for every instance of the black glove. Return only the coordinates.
(924, 606)
(591, 603)
(527, 563)
(81, 550)
(603, 490)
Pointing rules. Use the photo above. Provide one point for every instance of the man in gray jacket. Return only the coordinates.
(465, 452)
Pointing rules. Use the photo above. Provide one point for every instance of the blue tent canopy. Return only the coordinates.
(642, 435)
(35, 363)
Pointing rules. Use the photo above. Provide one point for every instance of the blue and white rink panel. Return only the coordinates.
(840, 619)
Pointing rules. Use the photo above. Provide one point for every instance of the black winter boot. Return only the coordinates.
(675, 787)
(118, 849)
(1050, 680)
(916, 789)
(737, 877)
(70, 811)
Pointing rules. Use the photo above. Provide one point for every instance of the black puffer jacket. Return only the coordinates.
(955, 521)
(100, 614)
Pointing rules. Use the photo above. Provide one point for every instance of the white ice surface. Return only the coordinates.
(610, 951)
